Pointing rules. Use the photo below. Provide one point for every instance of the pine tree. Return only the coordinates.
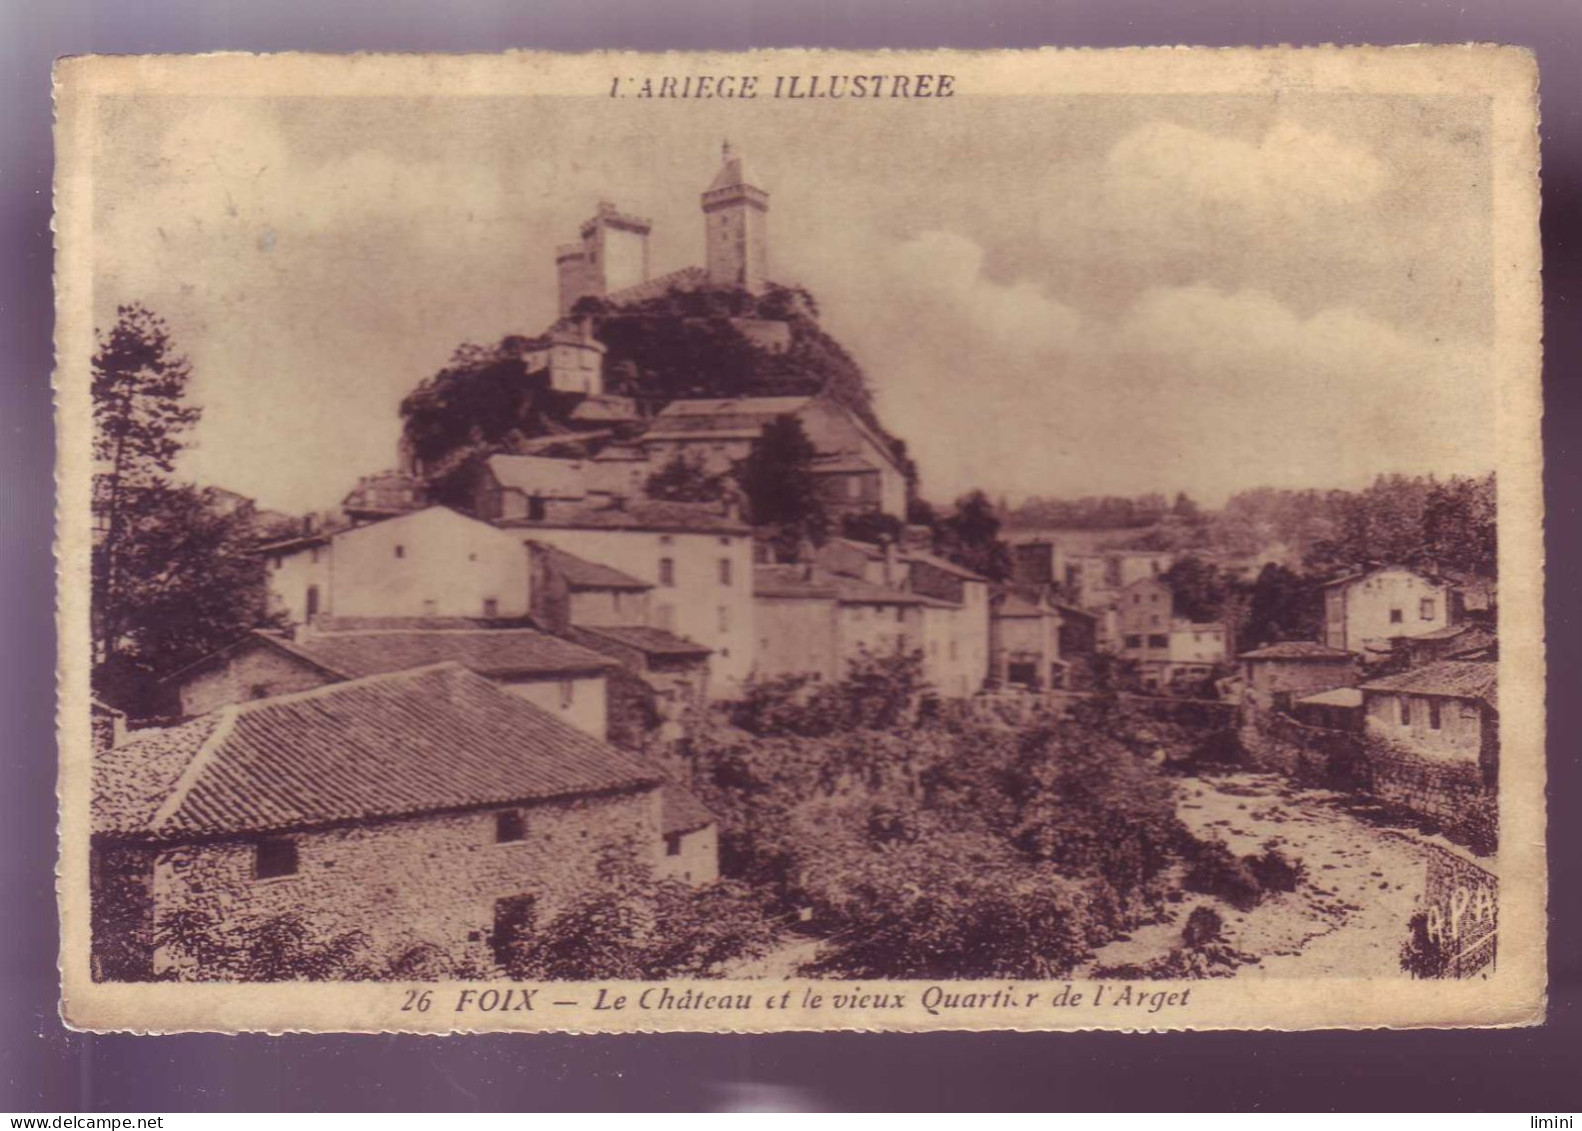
(139, 413)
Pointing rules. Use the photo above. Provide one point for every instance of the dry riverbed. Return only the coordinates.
(1348, 917)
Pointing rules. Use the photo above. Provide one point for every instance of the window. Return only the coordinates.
(725, 571)
(568, 693)
(1134, 642)
(536, 509)
(1433, 714)
(273, 858)
(666, 540)
(1406, 711)
(667, 571)
(313, 555)
(1425, 608)
(312, 601)
(491, 607)
(1137, 598)
(1396, 616)
(953, 649)
(431, 608)
(900, 614)
(509, 825)
(400, 550)
(725, 618)
(1155, 566)
(672, 844)
(1158, 640)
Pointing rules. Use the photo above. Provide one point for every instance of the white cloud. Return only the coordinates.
(1287, 171)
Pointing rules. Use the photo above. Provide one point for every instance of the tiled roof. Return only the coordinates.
(132, 780)
(255, 639)
(794, 581)
(385, 624)
(652, 641)
(733, 406)
(1339, 697)
(489, 651)
(1458, 679)
(681, 812)
(430, 740)
(841, 463)
(605, 408)
(1016, 606)
(944, 564)
(681, 518)
(1295, 650)
(540, 475)
(583, 574)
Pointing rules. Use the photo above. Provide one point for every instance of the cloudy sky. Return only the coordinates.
(1060, 296)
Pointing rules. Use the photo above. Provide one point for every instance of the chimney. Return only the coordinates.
(892, 566)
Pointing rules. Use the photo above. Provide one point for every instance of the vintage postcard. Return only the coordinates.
(801, 540)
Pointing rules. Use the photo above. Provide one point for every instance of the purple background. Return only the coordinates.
(49, 1069)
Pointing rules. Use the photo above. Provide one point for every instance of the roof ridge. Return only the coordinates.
(361, 681)
(193, 769)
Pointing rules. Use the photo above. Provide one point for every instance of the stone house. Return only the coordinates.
(954, 620)
(696, 557)
(608, 611)
(1164, 646)
(855, 469)
(1025, 641)
(428, 563)
(691, 838)
(1276, 675)
(812, 622)
(426, 808)
(1365, 612)
(1465, 641)
(1444, 712)
(385, 495)
(566, 679)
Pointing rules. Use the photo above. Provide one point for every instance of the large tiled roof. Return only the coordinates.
(540, 475)
(1296, 650)
(944, 564)
(132, 780)
(680, 518)
(431, 740)
(681, 812)
(1458, 679)
(652, 641)
(733, 406)
(1337, 697)
(794, 581)
(489, 651)
(583, 574)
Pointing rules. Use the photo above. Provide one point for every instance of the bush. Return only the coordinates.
(1203, 927)
(279, 948)
(1215, 870)
(1275, 871)
(641, 930)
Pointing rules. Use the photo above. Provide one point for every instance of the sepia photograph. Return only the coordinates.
(800, 540)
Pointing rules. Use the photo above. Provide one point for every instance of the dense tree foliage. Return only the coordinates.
(782, 494)
(174, 576)
(970, 536)
(927, 844)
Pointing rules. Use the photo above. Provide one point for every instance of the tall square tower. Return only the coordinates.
(736, 228)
